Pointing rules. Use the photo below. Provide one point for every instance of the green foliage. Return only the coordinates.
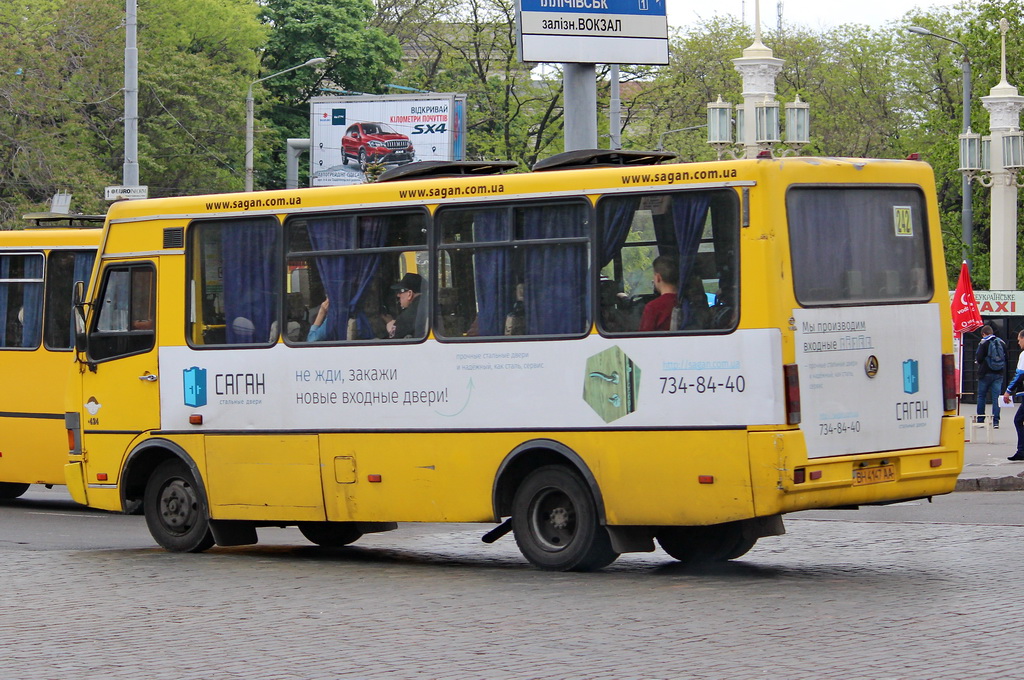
(360, 58)
(61, 115)
(470, 48)
(373, 171)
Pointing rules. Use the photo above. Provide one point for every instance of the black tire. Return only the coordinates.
(555, 522)
(330, 534)
(715, 543)
(10, 490)
(344, 157)
(175, 509)
(362, 159)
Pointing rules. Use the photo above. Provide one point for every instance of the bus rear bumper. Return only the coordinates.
(779, 463)
(74, 477)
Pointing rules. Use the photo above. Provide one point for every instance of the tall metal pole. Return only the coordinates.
(130, 173)
(249, 138)
(615, 110)
(580, 91)
(967, 206)
(249, 123)
(967, 211)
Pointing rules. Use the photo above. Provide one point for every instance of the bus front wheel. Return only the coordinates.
(10, 490)
(175, 510)
(715, 543)
(330, 534)
(555, 522)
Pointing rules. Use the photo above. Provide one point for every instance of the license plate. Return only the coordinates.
(874, 475)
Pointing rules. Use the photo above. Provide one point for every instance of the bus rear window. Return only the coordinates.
(858, 245)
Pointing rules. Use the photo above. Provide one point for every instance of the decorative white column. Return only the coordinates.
(759, 69)
(1004, 106)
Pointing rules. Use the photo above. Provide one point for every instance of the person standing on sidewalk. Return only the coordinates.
(991, 360)
(1017, 383)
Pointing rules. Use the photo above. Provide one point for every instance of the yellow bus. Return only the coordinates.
(493, 349)
(39, 265)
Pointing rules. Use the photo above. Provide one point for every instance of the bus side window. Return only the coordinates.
(514, 271)
(126, 312)
(63, 269)
(353, 261)
(235, 282)
(21, 300)
(693, 286)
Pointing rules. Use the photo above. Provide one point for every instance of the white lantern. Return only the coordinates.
(798, 122)
(1013, 150)
(719, 122)
(767, 122)
(970, 151)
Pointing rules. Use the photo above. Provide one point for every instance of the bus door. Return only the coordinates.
(120, 391)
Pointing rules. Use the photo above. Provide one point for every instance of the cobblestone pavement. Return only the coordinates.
(840, 598)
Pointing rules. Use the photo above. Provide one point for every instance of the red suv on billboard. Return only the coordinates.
(375, 143)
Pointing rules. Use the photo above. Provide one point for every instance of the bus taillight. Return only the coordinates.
(791, 379)
(949, 382)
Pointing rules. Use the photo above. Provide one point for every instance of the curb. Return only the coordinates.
(990, 484)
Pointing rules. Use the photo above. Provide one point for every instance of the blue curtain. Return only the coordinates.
(495, 287)
(5, 269)
(82, 271)
(248, 251)
(616, 217)
(819, 273)
(347, 277)
(689, 214)
(32, 303)
(555, 291)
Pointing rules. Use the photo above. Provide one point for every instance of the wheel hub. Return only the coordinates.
(177, 506)
(559, 518)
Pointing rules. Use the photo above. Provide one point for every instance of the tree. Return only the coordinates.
(360, 58)
(61, 105)
(513, 111)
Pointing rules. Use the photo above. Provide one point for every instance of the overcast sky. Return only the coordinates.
(811, 13)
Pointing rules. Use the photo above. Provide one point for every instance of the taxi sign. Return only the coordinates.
(118, 193)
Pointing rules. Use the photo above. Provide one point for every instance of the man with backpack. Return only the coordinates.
(991, 360)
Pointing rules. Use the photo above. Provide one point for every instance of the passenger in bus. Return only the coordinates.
(723, 314)
(317, 331)
(694, 315)
(515, 320)
(657, 314)
(244, 329)
(614, 306)
(409, 324)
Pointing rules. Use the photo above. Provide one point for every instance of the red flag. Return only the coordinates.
(966, 316)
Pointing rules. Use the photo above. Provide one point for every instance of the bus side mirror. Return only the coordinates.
(78, 314)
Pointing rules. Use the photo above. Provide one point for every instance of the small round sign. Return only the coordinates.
(871, 366)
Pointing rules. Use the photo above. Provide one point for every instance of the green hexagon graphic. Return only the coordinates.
(611, 384)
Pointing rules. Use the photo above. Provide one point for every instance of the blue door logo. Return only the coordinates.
(195, 386)
(910, 377)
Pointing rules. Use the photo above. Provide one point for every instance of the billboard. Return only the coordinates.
(593, 31)
(347, 133)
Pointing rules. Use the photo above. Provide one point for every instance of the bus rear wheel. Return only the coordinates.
(175, 509)
(10, 490)
(715, 543)
(330, 534)
(555, 522)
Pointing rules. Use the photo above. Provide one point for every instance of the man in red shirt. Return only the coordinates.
(657, 314)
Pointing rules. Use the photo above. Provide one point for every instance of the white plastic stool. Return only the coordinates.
(973, 424)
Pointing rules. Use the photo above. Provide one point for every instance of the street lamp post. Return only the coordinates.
(967, 211)
(249, 109)
(661, 137)
(757, 118)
